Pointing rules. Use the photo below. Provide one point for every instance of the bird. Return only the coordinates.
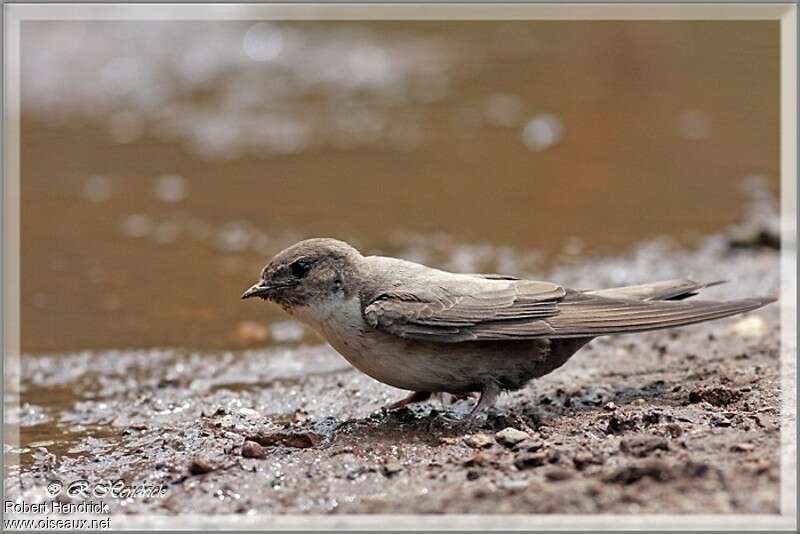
(430, 331)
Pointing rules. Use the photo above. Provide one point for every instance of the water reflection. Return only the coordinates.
(542, 131)
(274, 88)
(177, 157)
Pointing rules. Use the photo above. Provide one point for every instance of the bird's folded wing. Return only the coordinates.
(526, 310)
(481, 311)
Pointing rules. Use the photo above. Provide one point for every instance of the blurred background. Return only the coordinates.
(164, 163)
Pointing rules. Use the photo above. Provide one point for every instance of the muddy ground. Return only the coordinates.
(686, 420)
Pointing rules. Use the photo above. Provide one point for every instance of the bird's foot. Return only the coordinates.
(417, 396)
(477, 416)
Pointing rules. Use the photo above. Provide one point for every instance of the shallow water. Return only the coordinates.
(163, 169)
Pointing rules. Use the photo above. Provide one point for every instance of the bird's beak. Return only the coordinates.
(259, 289)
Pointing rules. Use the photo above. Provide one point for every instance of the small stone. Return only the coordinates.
(642, 446)
(742, 447)
(618, 424)
(200, 466)
(674, 429)
(251, 449)
(391, 468)
(610, 406)
(289, 418)
(583, 459)
(763, 467)
(299, 440)
(631, 474)
(510, 436)
(529, 445)
(694, 469)
(651, 418)
(529, 461)
(473, 475)
(557, 475)
(514, 485)
(716, 396)
(478, 458)
(478, 441)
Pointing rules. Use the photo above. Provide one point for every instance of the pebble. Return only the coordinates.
(583, 459)
(531, 460)
(514, 485)
(391, 468)
(478, 441)
(251, 449)
(557, 475)
(510, 436)
(763, 467)
(200, 466)
(298, 440)
(478, 458)
(529, 445)
(716, 396)
(642, 446)
(742, 447)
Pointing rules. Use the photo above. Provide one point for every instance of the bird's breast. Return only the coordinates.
(379, 355)
(338, 320)
(423, 366)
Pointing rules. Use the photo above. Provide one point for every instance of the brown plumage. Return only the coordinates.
(429, 330)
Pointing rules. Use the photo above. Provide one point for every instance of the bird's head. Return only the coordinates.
(306, 273)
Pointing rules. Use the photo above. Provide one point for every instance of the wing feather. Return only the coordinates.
(449, 317)
(503, 309)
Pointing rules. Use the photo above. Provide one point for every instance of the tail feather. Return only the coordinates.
(592, 316)
(663, 290)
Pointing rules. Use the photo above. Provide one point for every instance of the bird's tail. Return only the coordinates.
(663, 290)
(640, 308)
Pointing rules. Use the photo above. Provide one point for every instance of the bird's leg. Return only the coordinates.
(416, 396)
(489, 395)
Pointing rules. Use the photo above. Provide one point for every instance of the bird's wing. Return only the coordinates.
(490, 308)
(662, 290)
(521, 309)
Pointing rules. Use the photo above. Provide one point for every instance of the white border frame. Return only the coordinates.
(15, 14)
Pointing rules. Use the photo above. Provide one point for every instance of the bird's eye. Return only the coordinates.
(300, 268)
